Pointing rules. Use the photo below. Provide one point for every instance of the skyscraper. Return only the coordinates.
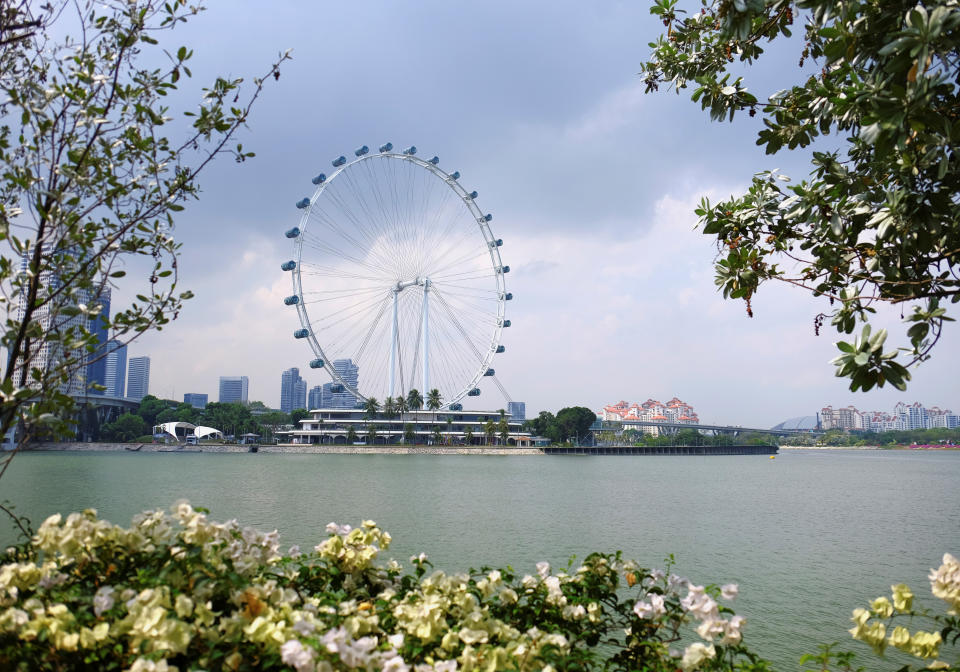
(195, 399)
(293, 390)
(115, 368)
(517, 410)
(316, 397)
(138, 378)
(97, 370)
(233, 389)
(335, 396)
(48, 356)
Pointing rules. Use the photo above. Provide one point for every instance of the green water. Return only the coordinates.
(808, 536)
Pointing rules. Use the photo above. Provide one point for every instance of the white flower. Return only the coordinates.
(731, 632)
(543, 569)
(396, 641)
(395, 664)
(729, 591)
(695, 654)
(304, 628)
(655, 607)
(445, 666)
(656, 575)
(418, 559)
(643, 609)
(294, 653)
(710, 628)
(103, 600)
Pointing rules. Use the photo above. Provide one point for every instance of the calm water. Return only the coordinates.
(808, 536)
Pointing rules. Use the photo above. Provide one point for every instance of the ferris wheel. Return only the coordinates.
(395, 268)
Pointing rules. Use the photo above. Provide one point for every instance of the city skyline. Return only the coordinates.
(593, 199)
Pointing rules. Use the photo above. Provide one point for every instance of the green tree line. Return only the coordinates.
(230, 418)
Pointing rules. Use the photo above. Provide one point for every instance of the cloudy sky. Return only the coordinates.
(592, 184)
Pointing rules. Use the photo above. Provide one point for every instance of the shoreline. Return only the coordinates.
(282, 449)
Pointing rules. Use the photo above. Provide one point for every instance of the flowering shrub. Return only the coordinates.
(177, 591)
(875, 626)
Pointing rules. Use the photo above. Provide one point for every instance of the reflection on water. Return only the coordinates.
(808, 536)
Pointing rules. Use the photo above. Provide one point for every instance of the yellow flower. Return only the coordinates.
(925, 644)
(902, 597)
(882, 607)
(900, 638)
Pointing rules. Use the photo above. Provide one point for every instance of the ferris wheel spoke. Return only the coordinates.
(348, 312)
(333, 251)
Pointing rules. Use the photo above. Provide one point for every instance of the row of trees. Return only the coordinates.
(571, 423)
(923, 437)
(684, 437)
(231, 419)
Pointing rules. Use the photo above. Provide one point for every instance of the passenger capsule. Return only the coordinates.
(319, 179)
(316, 364)
(497, 243)
(455, 174)
(455, 407)
(293, 233)
(360, 151)
(386, 147)
(500, 349)
(475, 392)
(508, 297)
(435, 160)
(504, 269)
(473, 194)
(488, 217)
(288, 265)
(506, 323)
(411, 150)
(303, 203)
(301, 333)
(339, 161)
(291, 300)
(489, 372)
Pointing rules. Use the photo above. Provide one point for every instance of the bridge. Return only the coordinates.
(618, 426)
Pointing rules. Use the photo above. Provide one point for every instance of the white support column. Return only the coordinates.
(426, 338)
(393, 343)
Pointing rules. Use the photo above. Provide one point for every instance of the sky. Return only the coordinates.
(592, 184)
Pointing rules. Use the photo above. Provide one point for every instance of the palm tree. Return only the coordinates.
(389, 407)
(434, 402)
(468, 436)
(489, 430)
(415, 402)
(372, 407)
(504, 430)
(372, 434)
(400, 404)
(449, 429)
(437, 437)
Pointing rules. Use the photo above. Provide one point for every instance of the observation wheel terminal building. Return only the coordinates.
(331, 426)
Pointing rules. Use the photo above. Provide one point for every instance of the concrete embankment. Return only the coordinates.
(282, 449)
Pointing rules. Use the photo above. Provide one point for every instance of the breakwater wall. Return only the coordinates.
(660, 450)
(398, 450)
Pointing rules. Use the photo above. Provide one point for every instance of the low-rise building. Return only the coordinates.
(442, 427)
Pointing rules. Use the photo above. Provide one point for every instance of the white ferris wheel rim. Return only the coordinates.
(496, 272)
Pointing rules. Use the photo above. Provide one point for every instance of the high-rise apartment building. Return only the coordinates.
(195, 399)
(115, 369)
(293, 390)
(138, 377)
(234, 389)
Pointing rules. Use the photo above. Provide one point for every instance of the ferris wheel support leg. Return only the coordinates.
(426, 338)
(393, 344)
